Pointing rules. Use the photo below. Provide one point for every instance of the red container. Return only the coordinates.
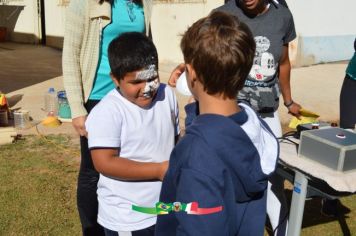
(3, 33)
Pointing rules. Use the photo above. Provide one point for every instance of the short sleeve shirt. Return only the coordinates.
(271, 30)
(145, 135)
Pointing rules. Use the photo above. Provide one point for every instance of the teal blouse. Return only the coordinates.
(351, 68)
(126, 17)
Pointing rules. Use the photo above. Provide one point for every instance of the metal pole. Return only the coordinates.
(297, 205)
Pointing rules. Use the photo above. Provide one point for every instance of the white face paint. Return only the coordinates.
(151, 88)
(150, 75)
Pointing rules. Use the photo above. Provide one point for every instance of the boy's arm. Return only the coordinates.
(107, 162)
(194, 186)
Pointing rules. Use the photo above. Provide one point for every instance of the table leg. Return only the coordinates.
(297, 205)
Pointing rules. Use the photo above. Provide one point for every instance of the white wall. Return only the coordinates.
(324, 17)
(171, 20)
(55, 16)
(326, 30)
(55, 20)
(22, 21)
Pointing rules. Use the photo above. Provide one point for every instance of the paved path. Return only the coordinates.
(27, 71)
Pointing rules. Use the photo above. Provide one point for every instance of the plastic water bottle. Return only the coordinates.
(63, 105)
(51, 102)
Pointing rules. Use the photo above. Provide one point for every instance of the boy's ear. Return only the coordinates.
(191, 72)
(191, 75)
(114, 79)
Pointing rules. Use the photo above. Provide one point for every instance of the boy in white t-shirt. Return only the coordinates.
(131, 134)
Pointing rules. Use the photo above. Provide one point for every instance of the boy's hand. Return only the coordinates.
(79, 125)
(163, 169)
(172, 81)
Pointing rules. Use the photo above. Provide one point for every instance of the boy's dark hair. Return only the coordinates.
(220, 48)
(130, 52)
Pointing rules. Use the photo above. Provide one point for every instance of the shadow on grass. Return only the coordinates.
(313, 215)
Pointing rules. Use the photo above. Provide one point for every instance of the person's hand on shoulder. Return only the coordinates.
(293, 108)
(79, 125)
(172, 81)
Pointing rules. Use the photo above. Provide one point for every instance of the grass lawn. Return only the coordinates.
(38, 187)
(38, 192)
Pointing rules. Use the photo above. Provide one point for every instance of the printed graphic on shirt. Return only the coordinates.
(264, 65)
(261, 89)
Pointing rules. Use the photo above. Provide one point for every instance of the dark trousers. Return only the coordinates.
(347, 121)
(347, 103)
(150, 231)
(87, 200)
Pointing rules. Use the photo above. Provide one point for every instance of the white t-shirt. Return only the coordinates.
(145, 135)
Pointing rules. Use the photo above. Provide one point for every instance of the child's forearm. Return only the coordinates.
(108, 163)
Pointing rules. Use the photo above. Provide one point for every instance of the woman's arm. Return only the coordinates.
(72, 76)
(284, 82)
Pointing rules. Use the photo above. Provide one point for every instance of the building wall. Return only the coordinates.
(169, 22)
(20, 17)
(326, 31)
(55, 19)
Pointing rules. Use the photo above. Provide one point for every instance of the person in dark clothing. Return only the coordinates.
(227, 153)
(89, 28)
(347, 121)
(348, 95)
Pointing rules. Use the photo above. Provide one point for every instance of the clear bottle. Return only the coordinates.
(63, 105)
(51, 102)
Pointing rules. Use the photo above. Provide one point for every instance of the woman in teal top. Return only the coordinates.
(126, 16)
(90, 27)
(348, 95)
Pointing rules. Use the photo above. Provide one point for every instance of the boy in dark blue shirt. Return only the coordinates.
(218, 171)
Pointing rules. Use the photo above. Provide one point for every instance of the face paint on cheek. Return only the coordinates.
(151, 88)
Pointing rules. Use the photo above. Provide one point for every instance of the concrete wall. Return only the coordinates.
(21, 20)
(170, 21)
(55, 19)
(326, 30)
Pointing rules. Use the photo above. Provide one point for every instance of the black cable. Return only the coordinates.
(289, 134)
(280, 223)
